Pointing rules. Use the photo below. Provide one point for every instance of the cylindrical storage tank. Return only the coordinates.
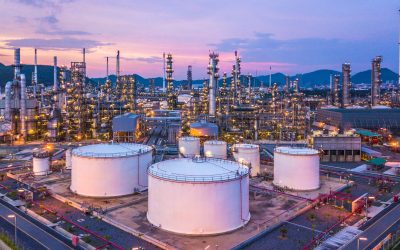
(248, 154)
(296, 168)
(215, 149)
(68, 159)
(203, 129)
(189, 146)
(199, 196)
(110, 170)
(41, 163)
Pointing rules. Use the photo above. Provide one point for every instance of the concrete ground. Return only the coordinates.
(302, 229)
(327, 185)
(265, 209)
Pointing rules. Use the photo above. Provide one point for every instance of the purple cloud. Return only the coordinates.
(311, 51)
(51, 19)
(44, 3)
(151, 59)
(55, 44)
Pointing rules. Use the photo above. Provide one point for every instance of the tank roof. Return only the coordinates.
(111, 150)
(215, 142)
(189, 138)
(198, 170)
(244, 145)
(296, 151)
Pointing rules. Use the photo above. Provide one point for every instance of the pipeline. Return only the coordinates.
(311, 244)
(280, 193)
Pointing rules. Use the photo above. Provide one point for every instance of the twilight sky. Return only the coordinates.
(292, 36)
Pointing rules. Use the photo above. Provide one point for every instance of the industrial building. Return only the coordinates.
(346, 119)
(342, 148)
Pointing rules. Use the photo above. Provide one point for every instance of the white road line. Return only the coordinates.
(309, 228)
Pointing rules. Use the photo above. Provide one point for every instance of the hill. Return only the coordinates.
(310, 79)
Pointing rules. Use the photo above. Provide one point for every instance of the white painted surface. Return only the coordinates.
(40, 166)
(248, 154)
(296, 168)
(109, 170)
(189, 146)
(68, 159)
(198, 198)
(215, 149)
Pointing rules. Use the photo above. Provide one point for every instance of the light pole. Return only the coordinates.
(15, 226)
(358, 241)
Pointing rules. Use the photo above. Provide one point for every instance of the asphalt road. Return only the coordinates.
(24, 241)
(377, 229)
(37, 234)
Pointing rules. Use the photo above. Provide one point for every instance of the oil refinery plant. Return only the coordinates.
(231, 163)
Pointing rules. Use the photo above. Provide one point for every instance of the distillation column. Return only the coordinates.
(346, 84)
(335, 90)
(35, 77)
(17, 62)
(189, 77)
(23, 113)
(213, 84)
(55, 85)
(376, 80)
(170, 82)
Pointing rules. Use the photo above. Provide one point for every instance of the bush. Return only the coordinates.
(87, 239)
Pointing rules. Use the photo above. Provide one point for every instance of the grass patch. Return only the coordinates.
(8, 241)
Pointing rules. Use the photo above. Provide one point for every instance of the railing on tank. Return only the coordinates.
(132, 152)
(306, 151)
(239, 173)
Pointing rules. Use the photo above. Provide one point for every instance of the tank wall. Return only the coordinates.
(189, 148)
(40, 166)
(215, 150)
(109, 177)
(299, 172)
(198, 209)
(246, 156)
(68, 159)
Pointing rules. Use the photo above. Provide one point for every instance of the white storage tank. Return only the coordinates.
(41, 163)
(68, 159)
(248, 154)
(199, 196)
(296, 168)
(189, 146)
(110, 170)
(215, 149)
(204, 129)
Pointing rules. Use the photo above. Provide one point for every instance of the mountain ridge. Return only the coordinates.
(309, 79)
